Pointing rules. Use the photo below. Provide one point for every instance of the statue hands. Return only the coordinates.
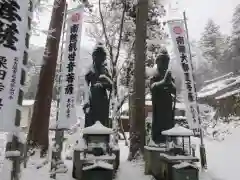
(98, 84)
(86, 108)
(157, 84)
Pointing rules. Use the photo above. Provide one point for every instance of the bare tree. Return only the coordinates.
(108, 25)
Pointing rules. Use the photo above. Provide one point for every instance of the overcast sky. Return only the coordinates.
(198, 12)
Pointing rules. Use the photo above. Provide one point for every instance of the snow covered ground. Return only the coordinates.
(222, 156)
(127, 169)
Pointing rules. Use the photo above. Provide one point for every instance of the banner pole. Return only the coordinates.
(202, 146)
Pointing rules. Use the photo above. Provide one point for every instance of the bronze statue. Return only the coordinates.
(163, 90)
(99, 82)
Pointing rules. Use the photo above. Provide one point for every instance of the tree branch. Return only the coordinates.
(105, 31)
(121, 32)
(128, 57)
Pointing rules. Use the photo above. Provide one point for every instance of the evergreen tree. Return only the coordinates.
(155, 35)
(211, 44)
(155, 28)
(235, 40)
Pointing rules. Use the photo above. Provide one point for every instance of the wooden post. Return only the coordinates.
(138, 108)
(59, 133)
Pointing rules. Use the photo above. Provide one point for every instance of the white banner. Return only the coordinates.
(181, 49)
(13, 28)
(71, 56)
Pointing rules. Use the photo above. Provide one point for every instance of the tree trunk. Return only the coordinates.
(38, 132)
(137, 139)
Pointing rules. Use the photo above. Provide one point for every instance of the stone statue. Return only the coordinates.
(99, 83)
(162, 90)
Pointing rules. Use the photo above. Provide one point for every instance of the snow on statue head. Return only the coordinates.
(99, 54)
(162, 60)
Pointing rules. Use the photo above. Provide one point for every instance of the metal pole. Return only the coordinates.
(202, 146)
(59, 133)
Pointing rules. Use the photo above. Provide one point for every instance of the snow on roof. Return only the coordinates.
(124, 117)
(219, 78)
(178, 131)
(99, 164)
(227, 94)
(27, 102)
(178, 157)
(125, 107)
(180, 105)
(215, 87)
(97, 128)
(148, 103)
(148, 96)
(183, 165)
(152, 148)
(180, 117)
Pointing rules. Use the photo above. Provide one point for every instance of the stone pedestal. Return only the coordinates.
(77, 165)
(116, 152)
(152, 160)
(97, 173)
(168, 161)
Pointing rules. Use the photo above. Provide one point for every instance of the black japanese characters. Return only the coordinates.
(70, 77)
(8, 24)
(162, 89)
(99, 82)
(181, 43)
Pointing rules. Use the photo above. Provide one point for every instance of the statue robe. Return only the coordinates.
(99, 99)
(162, 104)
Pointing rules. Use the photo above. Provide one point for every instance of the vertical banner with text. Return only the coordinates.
(181, 49)
(13, 28)
(69, 81)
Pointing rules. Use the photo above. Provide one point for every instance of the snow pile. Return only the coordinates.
(28, 102)
(12, 154)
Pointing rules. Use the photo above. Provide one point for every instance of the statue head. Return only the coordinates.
(99, 55)
(162, 61)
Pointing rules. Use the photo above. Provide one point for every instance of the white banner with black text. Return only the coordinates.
(13, 29)
(181, 50)
(69, 81)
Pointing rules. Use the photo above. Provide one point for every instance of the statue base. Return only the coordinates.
(152, 160)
